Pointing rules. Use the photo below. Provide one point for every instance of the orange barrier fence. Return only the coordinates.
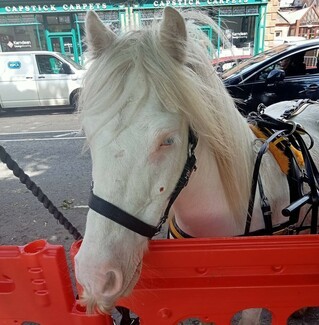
(35, 286)
(210, 279)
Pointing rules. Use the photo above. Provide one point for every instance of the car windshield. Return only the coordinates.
(73, 63)
(249, 63)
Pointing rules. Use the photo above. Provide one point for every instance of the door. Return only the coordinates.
(54, 82)
(17, 82)
(63, 43)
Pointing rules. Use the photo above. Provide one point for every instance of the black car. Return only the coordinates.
(262, 78)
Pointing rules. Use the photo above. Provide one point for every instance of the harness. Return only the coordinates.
(283, 139)
(286, 136)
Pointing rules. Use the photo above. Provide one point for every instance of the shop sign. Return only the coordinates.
(22, 44)
(19, 44)
(176, 3)
(67, 7)
(54, 8)
(239, 35)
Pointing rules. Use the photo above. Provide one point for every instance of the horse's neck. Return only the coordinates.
(203, 201)
(202, 210)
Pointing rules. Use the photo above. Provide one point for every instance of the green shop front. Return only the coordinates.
(59, 25)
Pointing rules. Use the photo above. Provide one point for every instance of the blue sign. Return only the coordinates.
(14, 64)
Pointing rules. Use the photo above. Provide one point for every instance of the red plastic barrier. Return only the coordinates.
(210, 279)
(213, 279)
(35, 286)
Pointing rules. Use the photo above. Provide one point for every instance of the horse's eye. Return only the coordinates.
(168, 141)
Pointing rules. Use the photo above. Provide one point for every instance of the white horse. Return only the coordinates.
(147, 96)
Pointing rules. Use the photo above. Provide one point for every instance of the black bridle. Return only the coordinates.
(128, 221)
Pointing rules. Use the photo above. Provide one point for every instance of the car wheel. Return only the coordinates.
(74, 100)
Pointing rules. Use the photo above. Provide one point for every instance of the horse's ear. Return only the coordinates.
(98, 36)
(173, 33)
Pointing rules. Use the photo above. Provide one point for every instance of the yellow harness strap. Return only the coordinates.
(175, 231)
(279, 155)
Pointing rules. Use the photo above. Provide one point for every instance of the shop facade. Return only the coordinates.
(59, 25)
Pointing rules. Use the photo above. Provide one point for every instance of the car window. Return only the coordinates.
(255, 60)
(72, 63)
(298, 64)
(308, 65)
(311, 60)
(48, 64)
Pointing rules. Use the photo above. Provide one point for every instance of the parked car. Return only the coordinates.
(42, 78)
(262, 78)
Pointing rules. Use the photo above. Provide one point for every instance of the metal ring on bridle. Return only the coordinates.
(262, 141)
(294, 128)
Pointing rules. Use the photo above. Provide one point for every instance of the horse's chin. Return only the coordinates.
(94, 303)
(104, 304)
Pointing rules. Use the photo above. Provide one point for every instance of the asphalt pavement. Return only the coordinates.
(48, 146)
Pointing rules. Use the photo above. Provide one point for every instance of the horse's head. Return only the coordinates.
(143, 95)
(139, 144)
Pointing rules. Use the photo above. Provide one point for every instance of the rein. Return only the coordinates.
(134, 224)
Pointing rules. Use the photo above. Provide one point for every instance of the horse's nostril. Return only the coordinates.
(113, 283)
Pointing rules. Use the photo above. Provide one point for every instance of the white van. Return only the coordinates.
(41, 78)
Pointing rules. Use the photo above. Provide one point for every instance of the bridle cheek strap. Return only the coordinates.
(134, 224)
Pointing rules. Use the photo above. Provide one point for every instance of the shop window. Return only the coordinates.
(52, 20)
(148, 15)
(64, 20)
(61, 23)
(39, 18)
(111, 19)
(56, 20)
(240, 32)
(19, 38)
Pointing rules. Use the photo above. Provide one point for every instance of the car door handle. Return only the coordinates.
(29, 77)
(41, 77)
(311, 88)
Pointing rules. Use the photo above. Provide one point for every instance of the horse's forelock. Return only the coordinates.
(192, 89)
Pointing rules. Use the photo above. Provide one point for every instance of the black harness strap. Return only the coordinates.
(265, 208)
(134, 224)
(255, 178)
(312, 179)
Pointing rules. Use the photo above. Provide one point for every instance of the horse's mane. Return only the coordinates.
(192, 89)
